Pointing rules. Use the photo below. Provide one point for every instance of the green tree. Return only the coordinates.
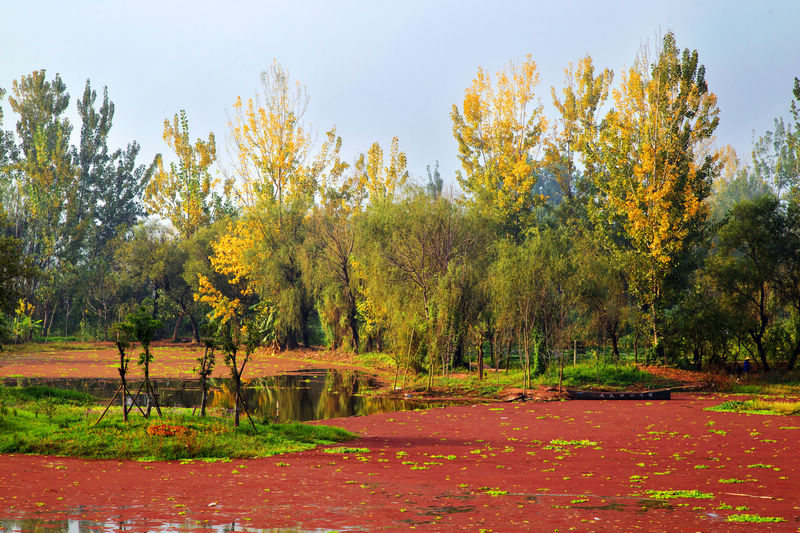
(747, 263)
(775, 160)
(735, 183)
(14, 269)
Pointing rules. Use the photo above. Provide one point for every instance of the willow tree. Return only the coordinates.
(500, 131)
(657, 171)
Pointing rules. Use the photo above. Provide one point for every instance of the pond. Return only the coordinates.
(315, 394)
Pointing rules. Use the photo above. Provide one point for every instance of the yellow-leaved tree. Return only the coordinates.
(277, 174)
(382, 182)
(271, 144)
(657, 170)
(499, 133)
(573, 146)
(185, 192)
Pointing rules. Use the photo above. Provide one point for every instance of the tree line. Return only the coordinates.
(616, 221)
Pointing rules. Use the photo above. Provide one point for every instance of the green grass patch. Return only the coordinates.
(754, 518)
(557, 443)
(58, 344)
(674, 494)
(26, 395)
(345, 449)
(38, 421)
(586, 374)
(758, 406)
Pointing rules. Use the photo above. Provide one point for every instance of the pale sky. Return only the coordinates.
(378, 69)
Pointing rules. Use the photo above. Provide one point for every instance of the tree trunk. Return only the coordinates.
(236, 385)
(762, 353)
(615, 345)
(793, 356)
(351, 317)
(176, 329)
(121, 370)
(480, 359)
(195, 329)
(146, 389)
(67, 305)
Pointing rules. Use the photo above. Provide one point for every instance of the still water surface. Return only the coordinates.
(316, 394)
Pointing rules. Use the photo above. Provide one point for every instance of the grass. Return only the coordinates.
(754, 518)
(51, 346)
(586, 374)
(759, 406)
(581, 376)
(345, 450)
(673, 494)
(35, 420)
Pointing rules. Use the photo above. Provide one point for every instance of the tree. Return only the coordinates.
(143, 327)
(599, 288)
(499, 133)
(238, 325)
(14, 268)
(332, 244)
(276, 177)
(185, 193)
(575, 142)
(416, 264)
(775, 160)
(735, 183)
(271, 144)
(747, 264)
(656, 174)
(381, 183)
(47, 175)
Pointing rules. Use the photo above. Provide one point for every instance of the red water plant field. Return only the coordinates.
(171, 361)
(566, 466)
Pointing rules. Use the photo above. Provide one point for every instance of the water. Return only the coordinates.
(316, 394)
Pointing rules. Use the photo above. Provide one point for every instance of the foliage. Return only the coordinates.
(499, 132)
(754, 518)
(185, 193)
(672, 494)
(618, 219)
(656, 175)
(23, 326)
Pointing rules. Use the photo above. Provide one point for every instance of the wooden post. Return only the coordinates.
(109, 405)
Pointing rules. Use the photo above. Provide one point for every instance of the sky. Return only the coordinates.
(379, 69)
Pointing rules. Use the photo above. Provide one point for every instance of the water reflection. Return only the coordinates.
(301, 396)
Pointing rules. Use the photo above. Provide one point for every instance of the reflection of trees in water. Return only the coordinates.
(304, 396)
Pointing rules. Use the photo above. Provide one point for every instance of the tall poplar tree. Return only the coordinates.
(499, 131)
(657, 172)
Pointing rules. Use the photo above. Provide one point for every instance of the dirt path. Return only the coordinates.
(472, 468)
